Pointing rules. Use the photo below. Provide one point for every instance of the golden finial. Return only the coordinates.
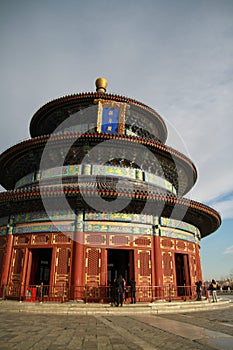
(101, 84)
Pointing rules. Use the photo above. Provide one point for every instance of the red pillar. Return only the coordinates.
(104, 292)
(187, 275)
(78, 265)
(25, 274)
(7, 260)
(158, 267)
(198, 264)
(103, 268)
(28, 270)
(153, 262)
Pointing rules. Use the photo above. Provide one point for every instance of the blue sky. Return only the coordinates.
(173, 55)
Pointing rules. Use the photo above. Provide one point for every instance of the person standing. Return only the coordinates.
(114, 292)
(213, 289)
(124, 292)
(199, 290)
(133, 291)
(206, 292)
(120, 290)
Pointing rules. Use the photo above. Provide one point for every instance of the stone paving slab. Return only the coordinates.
(192, 332)
(202, 330)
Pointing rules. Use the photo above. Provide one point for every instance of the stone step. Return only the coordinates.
(97, 309)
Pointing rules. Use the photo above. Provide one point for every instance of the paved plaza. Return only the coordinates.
(211, 329)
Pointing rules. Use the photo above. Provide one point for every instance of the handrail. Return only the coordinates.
(101, 294)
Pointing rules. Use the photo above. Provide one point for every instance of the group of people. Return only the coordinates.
(211, 290)
(120, 290)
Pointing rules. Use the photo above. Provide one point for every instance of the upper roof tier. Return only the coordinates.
(85, 121)
(133, 117)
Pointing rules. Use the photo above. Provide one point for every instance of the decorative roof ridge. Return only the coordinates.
(40, 140)
(56, 137)
(34, 193)
(68, 188)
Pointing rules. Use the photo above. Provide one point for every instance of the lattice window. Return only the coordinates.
(167, 264)
(180, 245)
(191, 247)
(22, 240)
(61, 238)
(93, 257)
(142, 241)
(167, 243)
(63, 261)
(120, 240)
(95, 239)
(41, 239)
(145, 268)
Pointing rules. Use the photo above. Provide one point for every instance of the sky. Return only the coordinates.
(173, 55)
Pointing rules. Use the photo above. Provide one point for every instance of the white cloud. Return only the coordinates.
(206, 127)
(224, 206)
(177, 58)
(229, 250)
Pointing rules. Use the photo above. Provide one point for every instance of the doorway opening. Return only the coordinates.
(182, 274)
(41, 266)
(120, 262)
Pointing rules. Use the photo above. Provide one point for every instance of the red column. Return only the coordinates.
(52, 281)
(187, 275)
(6, 267)
(158, 262)
(28, 269)
(78, 265)
(198, 264)
(104, 292)
(103, 268)
(26, 273)
(153, 262)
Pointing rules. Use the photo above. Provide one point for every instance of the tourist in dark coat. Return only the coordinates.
(199, 290)
(132, 284)
(120, 290)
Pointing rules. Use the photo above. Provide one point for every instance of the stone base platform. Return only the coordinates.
(69, 308)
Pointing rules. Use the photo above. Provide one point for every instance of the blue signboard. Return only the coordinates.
(110, 119)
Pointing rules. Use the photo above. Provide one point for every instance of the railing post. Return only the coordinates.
(41, 292)
(169, 293)
(184, 292)
(63, 293)
(5, 291)
(20, 292)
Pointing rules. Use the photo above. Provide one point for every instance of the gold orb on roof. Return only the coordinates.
(101, 84)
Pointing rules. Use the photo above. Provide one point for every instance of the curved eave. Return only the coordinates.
(39, 118)
(206, 219)
(24, 148)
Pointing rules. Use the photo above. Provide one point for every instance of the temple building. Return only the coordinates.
(95, 193)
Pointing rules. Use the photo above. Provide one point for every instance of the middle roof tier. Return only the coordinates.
(141, 155)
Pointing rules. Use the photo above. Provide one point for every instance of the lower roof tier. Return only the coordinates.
(206, 219)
